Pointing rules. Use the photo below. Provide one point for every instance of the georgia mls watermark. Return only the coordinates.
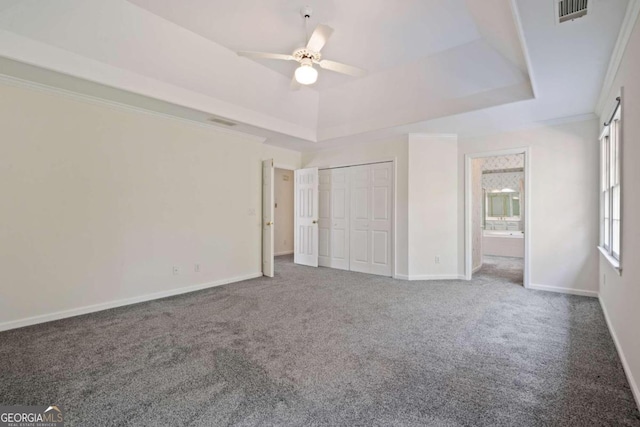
(31, 416)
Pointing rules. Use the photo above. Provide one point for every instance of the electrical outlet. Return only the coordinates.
(437, 260)
(196, 268)
(176, 271)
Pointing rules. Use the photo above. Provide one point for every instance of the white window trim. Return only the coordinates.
(608, 252)
(614, 262)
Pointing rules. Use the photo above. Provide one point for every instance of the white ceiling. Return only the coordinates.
(455, 66)
(373, 34)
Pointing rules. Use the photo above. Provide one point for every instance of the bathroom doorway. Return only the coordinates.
(283, 181)
(497, 217)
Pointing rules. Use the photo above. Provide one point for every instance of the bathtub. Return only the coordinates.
(503, 233)
(503, 243)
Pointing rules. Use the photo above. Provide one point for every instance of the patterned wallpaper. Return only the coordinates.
(503, 162)
(498, 181)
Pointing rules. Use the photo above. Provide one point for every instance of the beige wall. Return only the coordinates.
(433, 206)
(100, 203)
(620, 295)
(564, 208)
(282, 158)
(283, 222)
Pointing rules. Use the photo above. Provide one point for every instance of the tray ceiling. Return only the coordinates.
(428, 60)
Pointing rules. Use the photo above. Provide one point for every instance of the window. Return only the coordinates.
(610, 218)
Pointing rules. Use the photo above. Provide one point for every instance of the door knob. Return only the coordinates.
(315, 221)
(270, 223)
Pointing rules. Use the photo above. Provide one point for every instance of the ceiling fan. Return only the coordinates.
(307, 56)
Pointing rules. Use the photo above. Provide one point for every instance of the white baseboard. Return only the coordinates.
(580, 292)
(627, 370)
(13, 324)
(429, 277)
(283, 253)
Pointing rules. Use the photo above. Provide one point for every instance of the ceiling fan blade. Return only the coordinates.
(342, 68)
(263, 55)
(319, 37)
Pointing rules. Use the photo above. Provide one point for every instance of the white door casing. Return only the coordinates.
(267, 218)
(306, 217)
(334, 218)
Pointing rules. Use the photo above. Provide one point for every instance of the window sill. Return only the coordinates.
(614, 262)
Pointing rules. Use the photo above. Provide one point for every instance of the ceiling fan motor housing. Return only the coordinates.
(306, 12)
(304, 53)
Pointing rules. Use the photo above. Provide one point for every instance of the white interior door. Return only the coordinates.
(340, 218)
(380, 223)
(324, 218)
(333, 221)
(267, 217)
(360, 251)
(306, 217)
(371, 198)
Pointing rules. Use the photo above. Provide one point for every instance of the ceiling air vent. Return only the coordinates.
(568, 10)
(222, 121)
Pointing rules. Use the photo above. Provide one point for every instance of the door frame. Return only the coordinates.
(275, 166)
(468, 206)
(394, 200)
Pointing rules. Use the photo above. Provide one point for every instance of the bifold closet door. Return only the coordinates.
(334, 218)
(324, 218)
(370, 225)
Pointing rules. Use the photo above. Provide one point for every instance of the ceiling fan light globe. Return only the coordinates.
(306, 75)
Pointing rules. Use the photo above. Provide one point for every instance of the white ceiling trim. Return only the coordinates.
(523, 46)
(76, 96)
(32, 52)
(563, 120)
(434, 135)
(630, 18)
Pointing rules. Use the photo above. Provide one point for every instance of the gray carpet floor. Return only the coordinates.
(328, 347)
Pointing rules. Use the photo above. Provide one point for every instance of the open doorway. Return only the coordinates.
(283, 213)
(497, 220)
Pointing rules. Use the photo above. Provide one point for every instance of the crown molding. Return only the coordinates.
(630, 18)
(77, 96)
(563, 120)
(433, 135)
(523, 45)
